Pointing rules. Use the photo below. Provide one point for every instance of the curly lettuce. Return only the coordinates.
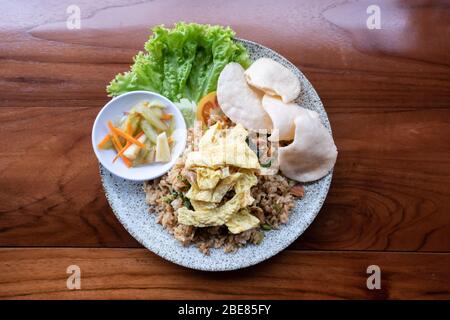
(182, 62)
(188, 110)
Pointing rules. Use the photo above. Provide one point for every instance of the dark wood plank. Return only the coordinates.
(386, 195)
(389, 189)
(50, 187)
(139, 274)
(403, 65)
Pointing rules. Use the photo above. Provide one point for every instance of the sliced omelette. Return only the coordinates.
(221, 148)
(223, 163)
(242, 221)
(216, 216)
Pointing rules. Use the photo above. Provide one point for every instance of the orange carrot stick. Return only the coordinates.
(118, 146)
(126, 147)
(104, 141)
(114, 137)
(115, 144)
(126, 161)
(121, 151)
(129, 128)
(166, 116)
(125, 135)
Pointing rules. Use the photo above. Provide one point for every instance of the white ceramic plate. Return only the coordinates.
(127, 200)
(114, 110)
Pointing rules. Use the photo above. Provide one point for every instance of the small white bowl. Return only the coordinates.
(114, 110)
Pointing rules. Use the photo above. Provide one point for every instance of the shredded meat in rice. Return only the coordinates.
(272, 206)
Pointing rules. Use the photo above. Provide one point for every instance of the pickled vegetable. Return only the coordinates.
(141, 136)
(149, 132)
(162, 148)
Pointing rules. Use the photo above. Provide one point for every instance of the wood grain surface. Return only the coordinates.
(387, 94)
(138, 274)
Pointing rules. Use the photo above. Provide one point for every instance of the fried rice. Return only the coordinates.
(274, 196)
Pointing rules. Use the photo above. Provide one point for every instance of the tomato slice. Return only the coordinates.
(207, 106)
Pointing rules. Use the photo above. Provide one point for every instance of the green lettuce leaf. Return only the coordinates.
(182, 62)
(188, 110)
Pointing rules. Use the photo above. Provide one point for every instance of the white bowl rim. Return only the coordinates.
(153, 95)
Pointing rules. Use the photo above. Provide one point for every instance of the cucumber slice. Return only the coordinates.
(156, 104)
(149, 132)
(157, 112)
(153, 120)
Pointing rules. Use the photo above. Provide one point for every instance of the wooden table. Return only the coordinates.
(387, 94)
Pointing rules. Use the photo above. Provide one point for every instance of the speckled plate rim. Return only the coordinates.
(284, 236)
